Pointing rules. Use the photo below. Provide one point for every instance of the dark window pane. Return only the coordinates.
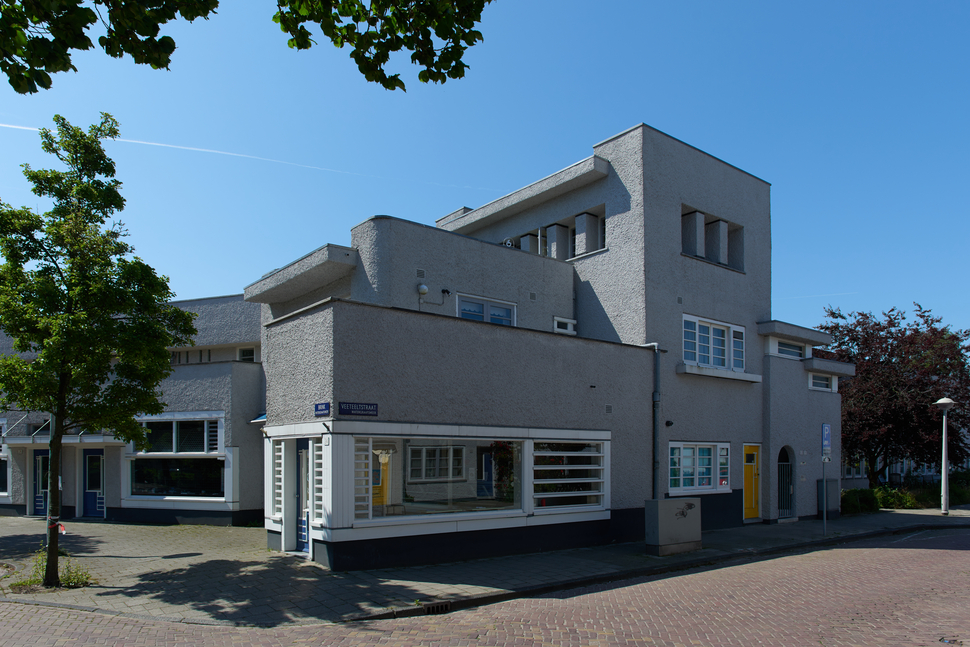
(202, 477)
(191, 435)
(159, 436)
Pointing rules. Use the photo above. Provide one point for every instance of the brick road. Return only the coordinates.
(911, 589)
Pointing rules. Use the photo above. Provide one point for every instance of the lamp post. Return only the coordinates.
(945, 404)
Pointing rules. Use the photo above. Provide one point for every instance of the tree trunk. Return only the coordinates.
(51, 577)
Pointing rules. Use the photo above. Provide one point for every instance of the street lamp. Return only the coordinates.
(944, 404)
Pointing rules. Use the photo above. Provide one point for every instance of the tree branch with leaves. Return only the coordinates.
(37, 38)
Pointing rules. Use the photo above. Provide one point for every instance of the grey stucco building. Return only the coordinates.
(524, 375)
(204, 463)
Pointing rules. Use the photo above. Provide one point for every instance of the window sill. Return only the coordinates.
(679, 493)
(441, 517)
(723, 373)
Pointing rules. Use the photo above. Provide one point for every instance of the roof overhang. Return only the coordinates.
(320, 267)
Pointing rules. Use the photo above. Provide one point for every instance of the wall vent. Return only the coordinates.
(420, 274)
(680, 300)
(533, 296)
(609, 408)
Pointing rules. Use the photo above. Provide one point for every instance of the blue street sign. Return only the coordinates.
(357, 409)
(321, 409)
(826, 440)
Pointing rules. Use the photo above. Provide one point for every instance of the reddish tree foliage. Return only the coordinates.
(902, 368)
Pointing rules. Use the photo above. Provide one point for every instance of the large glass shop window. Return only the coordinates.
(422, 476)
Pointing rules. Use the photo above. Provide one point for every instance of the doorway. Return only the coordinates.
(42, 466)
(752, 482)
(93, 503)
(302, 495)
(786, 486)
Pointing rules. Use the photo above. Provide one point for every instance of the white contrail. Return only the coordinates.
(252, 157)
(261, 159)
(19, 127)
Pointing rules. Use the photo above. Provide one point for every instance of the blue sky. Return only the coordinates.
(856, 113)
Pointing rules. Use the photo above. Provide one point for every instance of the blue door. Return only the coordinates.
(42, 466)
(302, 494)
(93, 505)
(486, 488)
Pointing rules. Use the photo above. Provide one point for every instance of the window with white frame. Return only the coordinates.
(247, 355)
(180, 459)
(699, 467)
(821, 382)
(713, 344)
(567, 474)
(479, 309)
(564, 326)
(427, 476)
(436, 464)
(791, 350)
(856, 470)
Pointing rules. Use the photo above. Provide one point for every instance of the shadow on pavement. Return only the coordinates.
(282, 590)
(20, 547)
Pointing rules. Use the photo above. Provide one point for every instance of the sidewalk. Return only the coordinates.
(218, 575)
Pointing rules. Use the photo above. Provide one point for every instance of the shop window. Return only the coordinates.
(427, 476)
(567, 474)
(179, 459)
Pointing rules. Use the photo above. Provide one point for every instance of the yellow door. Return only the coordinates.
(752, 481)
(379, 485)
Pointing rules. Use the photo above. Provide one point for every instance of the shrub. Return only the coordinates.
(858, 501)
(897, 499)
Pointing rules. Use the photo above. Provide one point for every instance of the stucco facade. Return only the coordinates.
(204, 463)
(526, 374)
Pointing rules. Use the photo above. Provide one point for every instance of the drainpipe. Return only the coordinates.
(655, 347)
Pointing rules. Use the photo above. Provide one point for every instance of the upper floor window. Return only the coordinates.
(713, 239)
(713, 344)
(791, 350)
(820, 382)
(182, 436)
(247, 355)
(478, 309)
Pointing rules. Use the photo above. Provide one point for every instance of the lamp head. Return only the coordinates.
(945, 404)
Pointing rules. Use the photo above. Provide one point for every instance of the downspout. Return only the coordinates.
(655, 347)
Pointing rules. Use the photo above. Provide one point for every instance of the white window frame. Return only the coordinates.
(209, 451)
(451, 450)
(716, 472)
(597, 451)
(564, 326)
(795, 351)
(734, 357)
(856, 470)
(833, 381)
(485, 303)
(240, 351)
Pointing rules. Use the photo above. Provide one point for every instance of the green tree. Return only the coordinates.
(90, 322)
(37, 37)
(902, 367)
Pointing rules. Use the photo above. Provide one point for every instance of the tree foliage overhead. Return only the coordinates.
(90, 322)
(902, 368)
(37, 37)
